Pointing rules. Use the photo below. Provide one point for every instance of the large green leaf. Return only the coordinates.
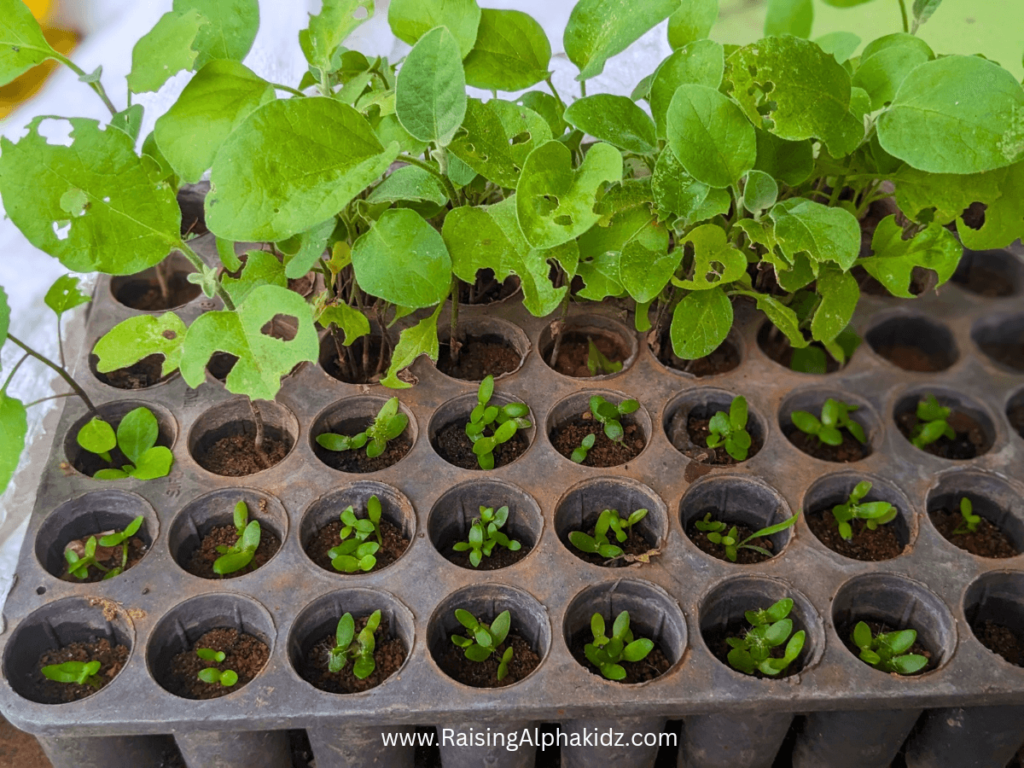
(431, 91)
(789, 17)
(231, 31)
(957, 114)
(710, 136)
(883, 71)
(263, 360)
(22, 44)
(13, 429)
(93, 204)
(511, 52)
(615, 119)
(644, 273)
(788, 161)
(475, 242)
(700, 323)
(403, 260)
(410, 184)
(839, 296)
(165, 50)
(136, 338)
(600, 29)
(328, 29)
(420, 339)
(699, 63)
(677, 192)
(716, 261)
(497, 137)
(261, 268)
(693, 21)
(410, 20)
(213, 104)
(893, 259)
(823, 233)
(291, 165)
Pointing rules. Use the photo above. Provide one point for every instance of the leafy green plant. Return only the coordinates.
(356, 553)
(136, 438)
(579, 454)
(769, 629)
(835, 416)
(484, 536)
(77, 672)
(241, 553)
(970, 522)
(355, 648)
(888, 651)
(873, 513)
(730, 429)
(606, 653)
(715, 531)
(78, 566)
(932, 422)
(482, 639)
(609, 415)
(502, 423)
(598, 363)
(387, 425)
(607, 522)
(211, 675)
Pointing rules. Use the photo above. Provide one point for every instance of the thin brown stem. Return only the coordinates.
(60, 371)
(257, 418)
(556, 350)
(453, 340)
(161, 280)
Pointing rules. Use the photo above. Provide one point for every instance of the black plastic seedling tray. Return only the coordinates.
(683, 593)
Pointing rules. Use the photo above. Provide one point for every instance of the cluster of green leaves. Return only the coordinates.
(932, 422)
(835, 416)
(79, 566)
(605, 653)
(971, 521)
(609, 415)
(484, 536)
(769, 628)
(240, 554)
(387, 425)
(873, 513)
(356, 553)
(358, 649)
(888, 651)
(607, 522)
(716, 533)
(136, 438)
(483, 639)
(77, 672)
(598, 363)
(503, 423)
(730, 429)
(212, 675)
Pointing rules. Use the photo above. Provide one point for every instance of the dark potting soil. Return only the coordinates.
(1001, 640)
(567, 437)
(985, 282)
(454, 446)
(357, 462)
(353, 370)
(968, 443)
(654, 665)
(201, 562)
(145, 373)
(144, 293)
(698, 430)
(245, 655)
(486, 289)
(635, 545)
(236, 455)
(479, 357)
(484, 674)
(743, 556)
(108, 557)
(575, 350)
(302, 285)
(988, 541)
(111, 658)
(1011, 355)
(500, 557)
(848, 451)
(388, 656)
(393, 546)
(777, 347)
(878, 627)
(871, 546)
(717, 640)
(191, 199)
(911, 358)
(724, 359)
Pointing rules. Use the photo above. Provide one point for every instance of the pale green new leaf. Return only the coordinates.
(643, 272)
(329, 28)
(700, 323)
(710, 136)
(431, 91)
(350, 321)
(760, 191)
(883, 70)
(165, 50)
(699, 63)
(410, 20)
(600, 29)
(716, 261)
(693, 21)
(789, 17)
(839, 296)
(893, 259)
(840, 44)
(410, 184)
(22, 45)
(13, 429)
(823, 233)
(231, 30)
(63, 295)
(302, 252)
(615, 119)
(420, 339)
(511, 52)
(136, 338)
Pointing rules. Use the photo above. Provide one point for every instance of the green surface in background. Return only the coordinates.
(992, 27)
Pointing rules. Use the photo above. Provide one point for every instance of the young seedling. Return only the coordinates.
(136, 438)
(213, 676)
(484, 536)
(579, 455)
(356, 553)
(597, 363)
(355, 648)
(888, 651)
(607, 521)
(78, 672)
(483, 640)
(238, 556)
(873, 513)
(609, 415)
(716, 535)
(730, 429)
(971, 520)
(503, 423)
(769, 628)
(835, 416)
(387, 425)
(932, 422)
(78, 566)
(605, 653)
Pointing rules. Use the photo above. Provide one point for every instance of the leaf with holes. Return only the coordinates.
(431, 90)
(693, 21)
(231, 30)
(716, 261)
(700, 323)
(710, 136)
(600, 29)
(699, 63)
(165, 50)
(893, 259)
(411, 20)
(261, 268)
(823, 233)
(137, 338)
(615, 119)
(329, 29)
(63, 295)
(484, 144)
(511, 52)
(22, 44)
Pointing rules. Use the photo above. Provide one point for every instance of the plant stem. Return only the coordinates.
(288, 88)
(583, 89)
(554, 91)
(453, 340)
(257, 418)
(200, 266)
(51, 397)
(10, 376)
(97, 86)
(448, 186)
(557, 348)
(63, 373)
(903, 10)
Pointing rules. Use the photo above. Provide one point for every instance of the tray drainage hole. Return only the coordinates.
(914, 344)
(1000, 531)
(72, 629)
(448, 437)
(1015, 412)
(885, 542)
(313, 635)
(777, 348)
(90, 463)
(487, 290)
(975, 432)
(488, 347)
(722, 616)
(454, 514)
(653, 615)
(581, 507)
(994, 606)
(365, 361)
(747, 505)
(616, 347)
(40, 590)
(94, 514)
(321, 526)
(350, 417)
(1002, 339)
(238, 626)
(687, 420)
(727, 357)
(889, 603)
(991, 274)
(158, 288)
(571, 421)
(529, 634)
(208, 522)
(146, 373)
(813, 402)
(223, 440)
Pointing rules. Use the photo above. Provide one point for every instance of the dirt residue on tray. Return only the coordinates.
(388, 656)
(575, 350)
(108, 557)
(357, 462)
(879, 628)
(112, 659)
(245, 655)
(970, 440)
(693, 442)
(329, 537)
(652, 666)
(911, 358)
(1001, 640)
(484, 674)
(848, 451)
(236, 455)
(567, 437)
(743, 556)
(202, 560)
(883, 543)
(988, 540)
(454, 446)
(479, 357)
(145, 373)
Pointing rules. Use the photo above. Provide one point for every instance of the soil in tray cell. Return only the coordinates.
(654, 665)
(634, 546)
(1009, 354)
(911, 358)
(778, 348)
(877, 628)
(575, 351)
(108, 557)
(479, 357)
(848, 451)
(357, 462)
(486, 289)
(201, 563)
(568, 436)
(724, 359)
(987, 541)
(388, 656)
(236, 455)
(989, 283)
(883, 543)
(500, 557)
(454, 446)
(743, 556)
(145, 294)
(245, 655)
(1001, 640)
(969, 441)
(145, 373)
(484, 674)
(328, 537)
(111, 657)
(698, 430)
(717, 640)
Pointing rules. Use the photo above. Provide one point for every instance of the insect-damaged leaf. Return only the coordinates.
(410, 20)
(600, 29)
(136, 338)
(677, 192)
(22, 44)
(231, 30)
(710, 136)
(716, 261)
(165, 50)
(329, 28)
(496, 138)
(511, 52)
(63, 295)
(420, 339)
(893, 259)
(431, 90)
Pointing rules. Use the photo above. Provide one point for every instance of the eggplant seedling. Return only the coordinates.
(136, 437)
(715, 531)
(77, 672)
(78, 565)
(835, 416)
(730, 429)
(610, 415)
(873, 513)
(769, 629)
(598, 363)
(932, 423)
(355, 648)
(607, 521)
(484, 639)
(214, 676)
(484, 536)
(605, 653)
(503, 423)
(579, 455)
(238, 556)
(387, 425)
(971, 520)
(356, 553)
(888, 651)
